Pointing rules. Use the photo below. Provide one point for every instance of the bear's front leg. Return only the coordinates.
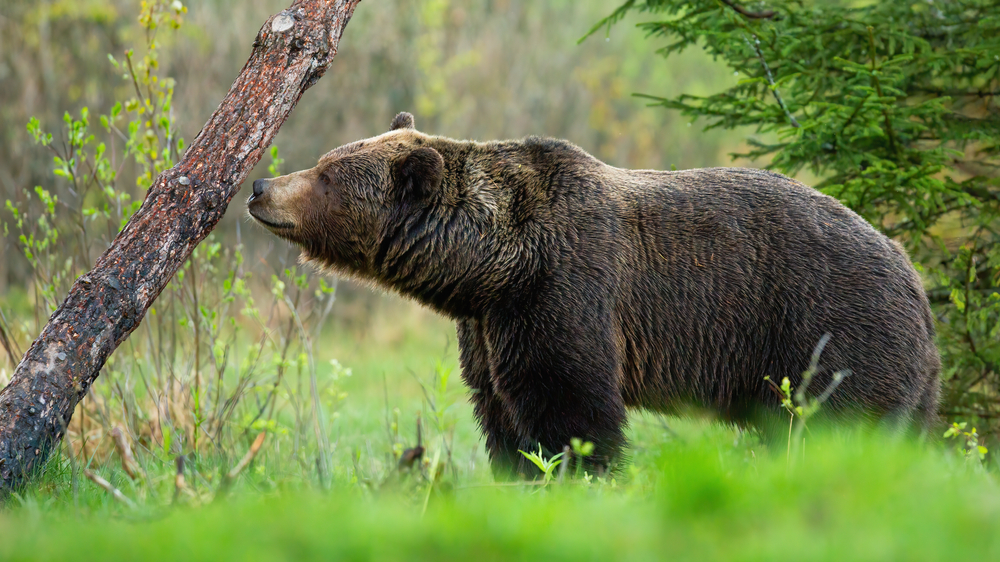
(502, 440)
(555, 370)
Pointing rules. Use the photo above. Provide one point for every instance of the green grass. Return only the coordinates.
(693, 490)
(706, 494)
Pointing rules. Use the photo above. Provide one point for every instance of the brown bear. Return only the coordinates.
(580, 289)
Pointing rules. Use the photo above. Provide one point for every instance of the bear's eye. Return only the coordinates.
(326, 179)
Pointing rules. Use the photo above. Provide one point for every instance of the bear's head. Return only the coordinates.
(342, 210)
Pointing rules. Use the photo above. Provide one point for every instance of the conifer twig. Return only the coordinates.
(878, 90)
(770, 80)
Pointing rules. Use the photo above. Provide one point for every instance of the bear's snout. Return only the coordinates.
(275, 202)
(259, 186)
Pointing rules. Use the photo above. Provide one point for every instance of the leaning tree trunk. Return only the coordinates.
(291, 52)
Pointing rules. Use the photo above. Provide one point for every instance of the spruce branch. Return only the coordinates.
(878, 90)
(770, 80)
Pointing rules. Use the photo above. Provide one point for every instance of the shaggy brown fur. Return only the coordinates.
(580, 289)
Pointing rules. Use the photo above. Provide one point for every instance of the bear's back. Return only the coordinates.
(728, 275)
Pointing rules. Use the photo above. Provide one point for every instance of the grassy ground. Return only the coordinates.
(707, 495)
(694, 489)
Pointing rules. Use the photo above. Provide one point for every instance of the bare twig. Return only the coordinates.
(755, 45)
(8, 343)
(135, 80)
(125, 453)
(115, 492)
(414, 455)
(800, 393)
(806, 407)
(248, 458)
(838, 378)
(180, 485)
(229, 477)
(765, 15)
(567, 452)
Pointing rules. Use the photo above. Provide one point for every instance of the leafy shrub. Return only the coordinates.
(218, 359)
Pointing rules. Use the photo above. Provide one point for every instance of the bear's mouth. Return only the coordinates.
(271, 224)
(275, 225)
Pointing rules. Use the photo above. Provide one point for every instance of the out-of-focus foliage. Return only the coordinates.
(232, 345)
(709, 497)
(466, 68)
(893, 105)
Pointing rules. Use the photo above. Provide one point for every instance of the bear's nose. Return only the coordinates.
(258, 187)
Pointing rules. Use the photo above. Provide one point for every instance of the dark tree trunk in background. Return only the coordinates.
(291, 52)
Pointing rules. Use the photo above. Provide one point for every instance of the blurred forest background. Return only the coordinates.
(466, 68)
(243, 340)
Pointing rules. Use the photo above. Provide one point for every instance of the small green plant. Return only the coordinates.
(581, 450)
(967, 442)
(274, 168)
(440, 399)
(798, 404)
(547, 466)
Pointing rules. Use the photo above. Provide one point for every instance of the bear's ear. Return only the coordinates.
(403, 120)
(422, 171)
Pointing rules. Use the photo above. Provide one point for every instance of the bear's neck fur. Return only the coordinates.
(457, 249)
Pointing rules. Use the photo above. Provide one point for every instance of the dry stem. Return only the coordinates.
(125, 452)
(115, 492)
(229, 477)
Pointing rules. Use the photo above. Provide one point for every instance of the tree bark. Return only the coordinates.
(292, 51)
